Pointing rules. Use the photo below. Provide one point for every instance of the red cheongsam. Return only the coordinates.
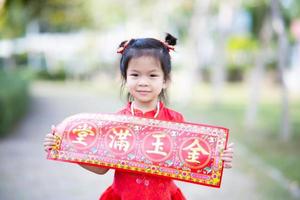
(134, 186)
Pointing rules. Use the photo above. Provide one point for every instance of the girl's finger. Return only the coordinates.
(227, 153)
(230, 150)
(226, 159)
(49, 138)
(231, 145)
(228, 165)
(49, 135)
(49, 143)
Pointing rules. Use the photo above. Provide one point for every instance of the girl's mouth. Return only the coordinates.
(142, 92)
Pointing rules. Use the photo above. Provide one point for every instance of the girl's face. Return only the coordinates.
(145, 81)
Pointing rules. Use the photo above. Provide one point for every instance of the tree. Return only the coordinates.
(273, 23)
(196, 35)
(225, 18)
(282, 62)
(257, 74)
(56, 15)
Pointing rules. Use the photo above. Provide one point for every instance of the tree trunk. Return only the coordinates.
(279, 28)
(256, 77)
(225, 19)
(192, 59)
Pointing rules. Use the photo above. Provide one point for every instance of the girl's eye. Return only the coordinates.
(134, 74)
(153, 75)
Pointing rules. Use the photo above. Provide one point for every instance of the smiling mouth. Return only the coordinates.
(143, 92)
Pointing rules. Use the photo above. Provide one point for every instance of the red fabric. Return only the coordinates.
(133, 186)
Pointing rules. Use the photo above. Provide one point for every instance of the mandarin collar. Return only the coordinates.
(138, 111)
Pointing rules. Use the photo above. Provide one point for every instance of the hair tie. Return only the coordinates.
(168, 46)
(122, 48)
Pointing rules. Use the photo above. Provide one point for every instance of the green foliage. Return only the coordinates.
(63, 16)
(266, 143)
(20, 59)
(105, 14)
(242, 43)
(58, 75)
(16, 14)
(181, 18)
(12, 19)
(14, 98)
(291, 9)
(241, 54)
(258, 11)
(54, 15)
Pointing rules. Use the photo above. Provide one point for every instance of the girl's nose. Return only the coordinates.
(143, 81)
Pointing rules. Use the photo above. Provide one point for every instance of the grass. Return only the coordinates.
(264, 138)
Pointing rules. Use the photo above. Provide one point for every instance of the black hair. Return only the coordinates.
(136, 48)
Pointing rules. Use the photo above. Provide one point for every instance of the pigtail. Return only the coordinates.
(170, 39)
(123, 43)
(123, 46)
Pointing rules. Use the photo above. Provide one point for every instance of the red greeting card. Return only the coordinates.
(183, 151)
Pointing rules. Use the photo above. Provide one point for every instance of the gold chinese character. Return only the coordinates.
(158, 145)
(82, 132)
(119, 140)
(195, 150)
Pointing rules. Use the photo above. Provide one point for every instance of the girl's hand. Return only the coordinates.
(227, 156)
(50, 140)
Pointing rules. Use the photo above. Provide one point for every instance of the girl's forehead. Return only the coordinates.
(144, 63)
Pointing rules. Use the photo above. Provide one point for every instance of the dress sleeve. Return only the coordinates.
(175, 116)
(122, 112)
(179, 118)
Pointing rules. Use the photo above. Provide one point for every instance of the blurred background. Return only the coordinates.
(237, 65)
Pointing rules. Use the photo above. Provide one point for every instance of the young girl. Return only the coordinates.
(145, 68)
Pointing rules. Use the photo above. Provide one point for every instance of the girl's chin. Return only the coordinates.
(144, 100)
(143, 97)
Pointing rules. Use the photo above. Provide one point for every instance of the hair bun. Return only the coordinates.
(170, 39)
(123, 43)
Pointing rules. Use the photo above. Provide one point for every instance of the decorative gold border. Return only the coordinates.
(213, 180)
